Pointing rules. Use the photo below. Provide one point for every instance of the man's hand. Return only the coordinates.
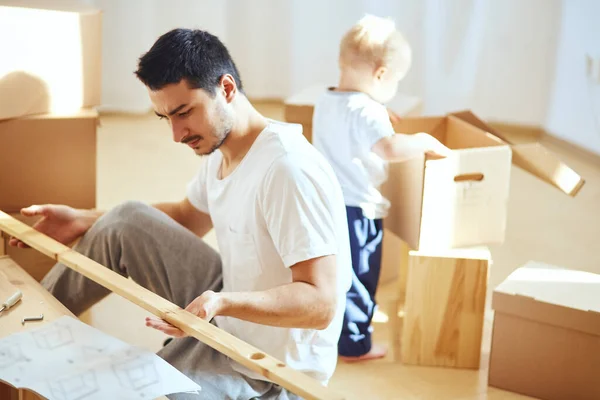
(206, 306)
(62, 223)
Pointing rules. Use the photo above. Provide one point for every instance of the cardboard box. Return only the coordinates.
(534, 158)
(458, 201)
(546, 333)
(52, 60)
(48, 159)
(299, 107)
(34, 262)
(444, 309)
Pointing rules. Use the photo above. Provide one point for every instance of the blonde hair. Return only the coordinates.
(375, 41)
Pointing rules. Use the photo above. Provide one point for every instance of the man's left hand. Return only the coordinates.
(206, 306)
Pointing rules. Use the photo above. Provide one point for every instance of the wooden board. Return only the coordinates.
(444, 311)
(3, 244)
(32, 261)
(36, 300)
(240, 351)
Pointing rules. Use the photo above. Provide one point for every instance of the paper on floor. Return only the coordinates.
(67, 360)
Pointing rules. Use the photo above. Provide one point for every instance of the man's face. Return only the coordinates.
(197, 120)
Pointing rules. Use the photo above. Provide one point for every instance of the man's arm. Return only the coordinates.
(308, 302)
(187, 215)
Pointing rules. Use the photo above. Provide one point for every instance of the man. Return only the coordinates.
(280, 280)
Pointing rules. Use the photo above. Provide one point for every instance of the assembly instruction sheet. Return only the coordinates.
(69, 360)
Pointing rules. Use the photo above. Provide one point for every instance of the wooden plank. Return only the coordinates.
(29, 395)
(444, 310)
(35, 263)
(8, 392)
(36, 300)
(240, 351)
(3, 244)
(398, 251)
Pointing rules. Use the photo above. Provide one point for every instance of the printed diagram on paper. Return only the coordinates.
(69, 360)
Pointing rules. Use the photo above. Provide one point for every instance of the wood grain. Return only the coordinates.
(222, 341)
(3, 244)
(444, 311)
(35, 301)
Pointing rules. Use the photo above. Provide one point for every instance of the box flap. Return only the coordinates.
(551, 295)
(539, 161)
(534, 158)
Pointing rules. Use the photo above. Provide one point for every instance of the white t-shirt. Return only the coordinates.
(280, 206)
(346, 125)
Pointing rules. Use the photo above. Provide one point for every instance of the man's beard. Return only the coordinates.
(218, 144)
(225, 125)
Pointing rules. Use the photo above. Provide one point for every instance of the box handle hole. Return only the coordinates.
(468, 177)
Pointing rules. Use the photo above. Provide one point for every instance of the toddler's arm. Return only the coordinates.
(401, 146)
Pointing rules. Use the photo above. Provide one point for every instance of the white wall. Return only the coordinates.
(574, 110)
(511, 60)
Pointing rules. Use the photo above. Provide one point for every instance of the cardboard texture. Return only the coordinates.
(444, 309)
(299, 107)
(534, 158)
(458, 201)
(34, 262)
(52, 62)
(48, 159)
(547, 320)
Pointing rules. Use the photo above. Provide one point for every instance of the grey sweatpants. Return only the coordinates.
(138, 241)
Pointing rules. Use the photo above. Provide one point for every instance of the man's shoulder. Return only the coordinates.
(282, 138)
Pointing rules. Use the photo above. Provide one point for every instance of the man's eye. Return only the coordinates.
(183, 114)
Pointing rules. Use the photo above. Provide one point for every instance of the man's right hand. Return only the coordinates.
(62, 223)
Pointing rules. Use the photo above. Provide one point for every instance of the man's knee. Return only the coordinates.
(126, 212)
(120, 218)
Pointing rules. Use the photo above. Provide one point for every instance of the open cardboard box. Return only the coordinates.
(546, 333)
(462, 201)
(457, 201)
(534, 158)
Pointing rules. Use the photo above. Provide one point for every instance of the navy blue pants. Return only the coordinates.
(366, 236)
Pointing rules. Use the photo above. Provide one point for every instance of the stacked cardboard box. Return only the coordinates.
(546, 333)
(49, 86)
(441, 206)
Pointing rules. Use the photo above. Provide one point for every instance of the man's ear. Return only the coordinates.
(228, 87)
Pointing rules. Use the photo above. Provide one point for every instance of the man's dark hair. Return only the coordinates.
(191, 54)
